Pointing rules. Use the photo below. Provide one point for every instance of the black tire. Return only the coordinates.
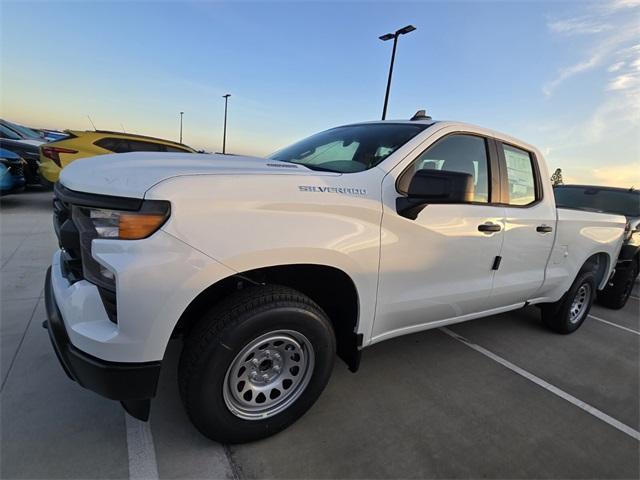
(212, 349)
(44, 183)
(615, 296)
(558, 316)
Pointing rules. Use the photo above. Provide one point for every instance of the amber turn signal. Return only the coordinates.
(134, 226)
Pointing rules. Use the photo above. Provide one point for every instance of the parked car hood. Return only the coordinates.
(132, 174)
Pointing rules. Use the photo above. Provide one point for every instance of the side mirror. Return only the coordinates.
(435, 186)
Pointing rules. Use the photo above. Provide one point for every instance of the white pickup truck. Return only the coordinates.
(269, 267)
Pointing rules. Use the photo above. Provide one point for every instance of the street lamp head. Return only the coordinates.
(181, 113)
(407, 29)
(226, 96)
(386, 36)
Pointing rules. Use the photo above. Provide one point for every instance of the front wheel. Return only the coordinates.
(255, 364)
(567, 314)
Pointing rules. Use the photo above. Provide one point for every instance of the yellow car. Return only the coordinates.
(54, 156)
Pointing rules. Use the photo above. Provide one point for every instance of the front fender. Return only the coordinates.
(247, 222)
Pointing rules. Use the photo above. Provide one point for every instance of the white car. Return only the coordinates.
(268, 267)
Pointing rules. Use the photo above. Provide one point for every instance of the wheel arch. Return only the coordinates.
(600, 263)
(330, 287)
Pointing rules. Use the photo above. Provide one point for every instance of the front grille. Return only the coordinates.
(17, 169)
(69, 241)
(73, 267)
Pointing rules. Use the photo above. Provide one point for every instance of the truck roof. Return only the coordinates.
(428, 122)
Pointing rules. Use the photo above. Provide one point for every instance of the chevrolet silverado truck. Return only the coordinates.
(269, 268)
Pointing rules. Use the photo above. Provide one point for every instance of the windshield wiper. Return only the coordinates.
(315, 167)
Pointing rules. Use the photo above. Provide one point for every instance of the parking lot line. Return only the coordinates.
(547, 386)
(142, 452)
(631, 330)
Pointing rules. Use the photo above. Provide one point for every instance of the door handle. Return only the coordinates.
(544, 229)
(489, 227)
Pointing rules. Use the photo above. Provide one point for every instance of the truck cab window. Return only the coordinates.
(520, 175)
(455, 153)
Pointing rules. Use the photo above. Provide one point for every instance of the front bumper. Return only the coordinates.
(134, 384)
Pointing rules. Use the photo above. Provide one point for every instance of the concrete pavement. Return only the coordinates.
(422, 406)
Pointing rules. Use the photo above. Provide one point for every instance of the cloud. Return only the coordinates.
(615, 67)
(612, 31)
(620, 175)
(621, 82)
(613, 45)
(571, 71)
(624, 175)
(627, 72)
(578, 26)
(623, 4)
(601, 146)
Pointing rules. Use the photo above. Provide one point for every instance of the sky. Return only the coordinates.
(564, 76)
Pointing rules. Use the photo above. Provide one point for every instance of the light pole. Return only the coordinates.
(384, 38)
(224, 132)
(181, 114)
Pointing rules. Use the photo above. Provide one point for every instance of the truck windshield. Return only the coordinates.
(599, 199)
(349, 149)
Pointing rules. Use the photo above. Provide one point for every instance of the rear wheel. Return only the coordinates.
(255, 364)
(615, 296)
(567, 314)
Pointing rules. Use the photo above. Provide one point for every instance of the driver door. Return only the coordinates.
(439, 266)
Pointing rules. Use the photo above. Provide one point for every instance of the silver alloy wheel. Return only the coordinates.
(268, 374)
(580, 303)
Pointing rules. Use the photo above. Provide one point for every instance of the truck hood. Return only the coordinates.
(132, 174)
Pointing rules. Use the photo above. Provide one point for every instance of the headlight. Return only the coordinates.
(123, 225)
(94, 223)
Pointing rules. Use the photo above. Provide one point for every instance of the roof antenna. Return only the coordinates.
(420, 115)
(90, 121)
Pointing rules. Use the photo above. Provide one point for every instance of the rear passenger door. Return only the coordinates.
(529, 226)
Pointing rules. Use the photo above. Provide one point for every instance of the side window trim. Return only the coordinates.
(495, 173)
(504, 180)
(493, 166)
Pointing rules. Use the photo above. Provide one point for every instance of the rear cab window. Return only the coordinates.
(522, 183)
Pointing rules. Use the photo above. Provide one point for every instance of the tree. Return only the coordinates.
(556, 178)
